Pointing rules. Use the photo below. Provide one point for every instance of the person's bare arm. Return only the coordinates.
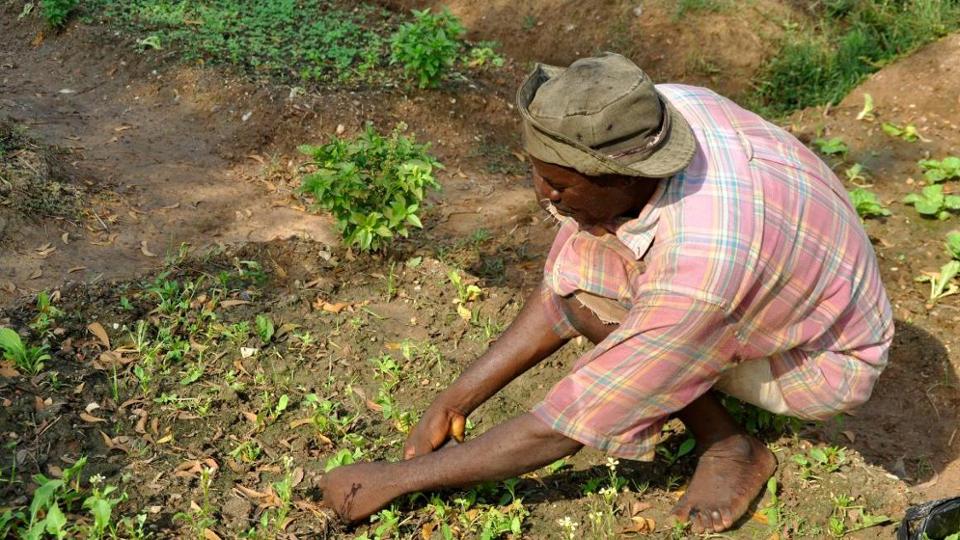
(518, 446)
(528, 340)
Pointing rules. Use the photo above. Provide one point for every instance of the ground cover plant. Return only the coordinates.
(852, 38)
(303, 41)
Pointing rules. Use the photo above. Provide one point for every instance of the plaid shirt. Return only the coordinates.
(753, 252)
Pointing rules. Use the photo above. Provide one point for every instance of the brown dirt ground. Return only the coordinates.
(164, 156)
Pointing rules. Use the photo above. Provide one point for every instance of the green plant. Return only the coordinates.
(953, 244)
(932, 202)
(483, 56)
(428, 46)
(47, 314)
(831, 146)
(908, 133)
(56, 12)
(29, 359)
(682, 7)
(821, 62)
(847, 518)
(200, 516)
(247, 451)
(866, 113)
(939, 171)
(774, 507)
(101, 506)
(373, 185)
(828, 460)
(341, 458)
(854, 174)
(685, 448)
(264, 327)
(941, 283)
(867, 204)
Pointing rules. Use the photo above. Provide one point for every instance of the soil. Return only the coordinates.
(166, 154)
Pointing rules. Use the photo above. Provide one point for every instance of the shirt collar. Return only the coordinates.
(638, 233)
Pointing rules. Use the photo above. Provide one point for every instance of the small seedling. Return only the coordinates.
(685, 448)
(940, 171)
(265, 328)
(908, 133)
(427, 47)
(832, 146)
(343, 457)
(465, 293)
(855, 175)
(953, 244)
(827, 460)
(247, 452)
(941, 283)
(774, 508)
(867, 204)
(931, 202)
(867, 112)
(29, 359)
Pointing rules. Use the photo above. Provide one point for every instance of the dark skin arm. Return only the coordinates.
(528, 340)
(510, 449)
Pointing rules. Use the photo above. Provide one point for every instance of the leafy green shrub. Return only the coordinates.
(428, 46)
(56, 12)
(373, 185)
(939, 171)
(931, 202)
(867, 204)
(831, 146)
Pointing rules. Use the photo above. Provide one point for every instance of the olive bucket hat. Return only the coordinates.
(602, 115)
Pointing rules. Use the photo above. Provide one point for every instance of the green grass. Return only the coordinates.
(292, 40)
(853, 38)
(684, 7)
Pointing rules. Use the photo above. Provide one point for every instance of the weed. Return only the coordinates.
(940, 171)
(855, 175)
(465, 292)
(847, 518)
(685, 448)
(483, 56)
(343, 457)
(908, 133)
(821, 64)
(941, 283)
(953, 244)
(831, 146)
(683, 7)
(774, 508)
(529, 22)
(422, 353)
(247, 452)
(265, 329)
(47, 314)
(758, 421)
(328, 418)
(373, 185)
(867, 204)
(427, 47)
(56, 12)
(200, 516)
(866, 113)
(931, 202)
(824, 460)
(29, 359)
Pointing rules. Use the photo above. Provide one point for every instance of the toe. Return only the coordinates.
(716, 521)
(681, 511)
(698, 521)
(727, 519)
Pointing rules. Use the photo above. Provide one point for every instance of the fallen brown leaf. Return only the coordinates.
(146, 251)
(231, 303)
(640, 525)
(100, 332)
(91, 419)
(210, 535)
(7, 370)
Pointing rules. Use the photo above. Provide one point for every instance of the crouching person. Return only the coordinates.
(701, 250)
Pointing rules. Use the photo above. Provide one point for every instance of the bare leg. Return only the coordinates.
(733, 466)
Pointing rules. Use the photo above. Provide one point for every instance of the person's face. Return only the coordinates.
(593, 201)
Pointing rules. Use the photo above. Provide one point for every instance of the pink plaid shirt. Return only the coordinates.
(753, 252)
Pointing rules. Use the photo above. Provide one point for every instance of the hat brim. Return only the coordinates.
(673, 156)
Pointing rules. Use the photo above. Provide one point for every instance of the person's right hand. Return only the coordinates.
(438, 424)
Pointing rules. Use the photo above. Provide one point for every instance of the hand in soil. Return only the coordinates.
(729, 475)
(438, 424)
(356, 491)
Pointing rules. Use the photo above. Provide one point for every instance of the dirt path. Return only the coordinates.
(155, 147)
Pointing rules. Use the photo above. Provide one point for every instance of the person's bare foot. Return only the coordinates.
(356, 491)
(729, 476)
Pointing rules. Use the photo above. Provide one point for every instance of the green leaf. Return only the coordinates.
(686, 447)
(11, 344)
(953, 244)
(55, 521)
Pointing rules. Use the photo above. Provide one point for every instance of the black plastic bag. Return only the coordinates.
(938, 519)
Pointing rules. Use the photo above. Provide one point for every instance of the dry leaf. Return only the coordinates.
(760, 517)
(638, 506)
(91, 419)
(122, 127)
(640, 525)
(92, 406)
(165, 439)
(251, 417)
(100, 332)
(464, 313)
(145, 250)
(36, 274)
(7, 370)
(301, 422)
(210, 535)
(850, 436)
(426, 532)
(65, 238)
(76, 269)
(141, 426)
(231, 303)
(296, 477)
(108, 242)
(334, 308)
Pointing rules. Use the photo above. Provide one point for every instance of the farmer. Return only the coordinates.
(703, 250)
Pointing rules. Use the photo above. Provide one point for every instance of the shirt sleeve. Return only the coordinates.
(669, 351)
(548, 298)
